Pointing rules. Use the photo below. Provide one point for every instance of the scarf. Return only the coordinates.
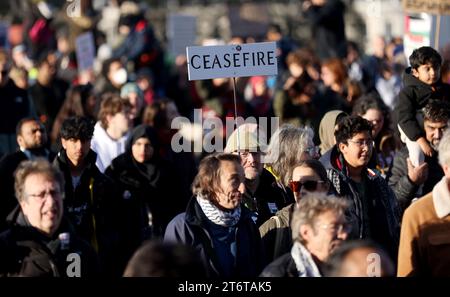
(217, 216)
(304, 262)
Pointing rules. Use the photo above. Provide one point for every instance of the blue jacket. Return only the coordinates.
(190, 228)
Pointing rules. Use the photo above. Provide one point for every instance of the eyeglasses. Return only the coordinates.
(41, 196)
(246, 154)
(367, 142)
(310, 185)
(337, 228)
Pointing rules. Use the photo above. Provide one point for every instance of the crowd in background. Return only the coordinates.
(342, 171)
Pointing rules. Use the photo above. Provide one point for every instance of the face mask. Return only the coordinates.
(120, 76)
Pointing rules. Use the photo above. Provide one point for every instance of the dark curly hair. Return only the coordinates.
(437, 111)
(424, 55)
(78, 128)
(372, 101)
(349, 126)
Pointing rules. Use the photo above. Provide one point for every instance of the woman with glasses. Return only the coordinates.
(308, 177)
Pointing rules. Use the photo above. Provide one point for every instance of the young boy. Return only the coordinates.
(421, 83)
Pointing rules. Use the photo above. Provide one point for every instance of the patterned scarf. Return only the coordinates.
(217, 216)
(304, 262)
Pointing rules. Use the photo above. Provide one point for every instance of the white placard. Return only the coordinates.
(206, 62)
(181, 32)
(85, 51)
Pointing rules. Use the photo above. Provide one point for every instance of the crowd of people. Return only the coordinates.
(360, 164)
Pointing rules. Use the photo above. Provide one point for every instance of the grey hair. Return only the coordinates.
(38, 166)
(285, 149)
(310, 207)
(444, 149)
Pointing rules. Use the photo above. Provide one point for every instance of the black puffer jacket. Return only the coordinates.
(412, 98)
(383, 210)
(405, 190)
(26, 252)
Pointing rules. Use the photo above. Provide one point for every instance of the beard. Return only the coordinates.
(435, 144)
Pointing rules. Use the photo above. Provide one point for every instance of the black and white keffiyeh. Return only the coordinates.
(217, 216)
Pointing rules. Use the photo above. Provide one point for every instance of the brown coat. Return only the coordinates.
(425, 235)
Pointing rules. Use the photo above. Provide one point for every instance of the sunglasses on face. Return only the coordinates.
(310, 185)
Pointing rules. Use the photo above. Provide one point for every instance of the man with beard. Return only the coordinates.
(260, 196)
(406, 180)
(32, 141)
(373, 211)
(318, 227)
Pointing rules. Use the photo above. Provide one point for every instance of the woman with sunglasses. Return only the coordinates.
(308, 177)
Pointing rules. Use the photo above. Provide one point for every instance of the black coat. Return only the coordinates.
(383, 225)
(328, 26)
(412, 98)
(26, 252)
(48, 101)
(8, 201)
(268, 198)
(15, 105)
(141, 199)
(405, 190)
(284, 266)
(93, 200)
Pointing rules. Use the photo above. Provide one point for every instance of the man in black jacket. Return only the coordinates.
(373, 210)
(32, 140)
(15, 105)
(39, 241)
(90, 200)
(406, 179)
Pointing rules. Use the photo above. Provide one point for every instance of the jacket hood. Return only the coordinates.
(326, 129)
(333, 159)
(91, 158)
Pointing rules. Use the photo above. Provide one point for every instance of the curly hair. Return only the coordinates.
(286, 147)
(349, 126)
(77, 128)
(437, 111)
(424, 55)
(372, 101)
